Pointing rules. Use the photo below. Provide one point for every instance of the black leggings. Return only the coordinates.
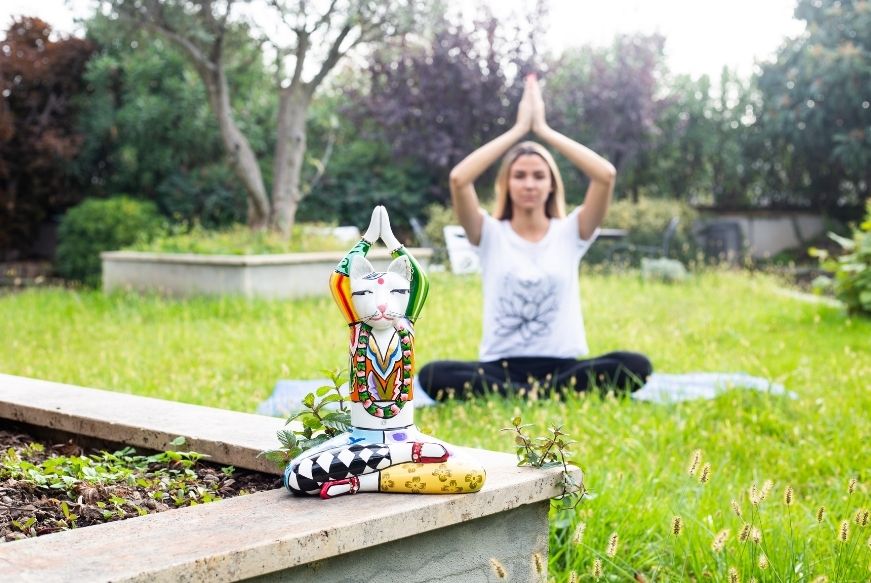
(624, 371)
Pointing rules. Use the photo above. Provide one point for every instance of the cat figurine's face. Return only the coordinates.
(380, 299)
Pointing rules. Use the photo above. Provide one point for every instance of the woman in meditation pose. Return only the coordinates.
(530, 251)
(383, 451)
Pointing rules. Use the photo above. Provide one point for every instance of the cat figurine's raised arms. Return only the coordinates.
(383, 451)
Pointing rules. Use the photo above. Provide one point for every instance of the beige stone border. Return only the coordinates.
(232, 539)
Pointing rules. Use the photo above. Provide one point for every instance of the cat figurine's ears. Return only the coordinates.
(401, 266)
(360, 267)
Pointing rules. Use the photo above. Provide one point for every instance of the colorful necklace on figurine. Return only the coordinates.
(400, 396)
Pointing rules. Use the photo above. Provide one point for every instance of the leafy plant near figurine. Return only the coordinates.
(548, 451)
(317, 422)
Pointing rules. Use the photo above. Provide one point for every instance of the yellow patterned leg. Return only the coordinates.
(450, 477)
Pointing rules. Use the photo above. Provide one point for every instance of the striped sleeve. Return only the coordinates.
(340, 281)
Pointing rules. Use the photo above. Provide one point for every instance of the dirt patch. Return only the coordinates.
(49, 487)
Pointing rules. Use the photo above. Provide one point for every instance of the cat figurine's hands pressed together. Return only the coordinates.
(383, 451)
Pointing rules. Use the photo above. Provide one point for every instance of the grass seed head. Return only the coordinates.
(498, 569)
(720, 540)
(736, 508)
(861, 518)
(821, 513)
(676, 525)
(766, 490)
(734, 576)
(597, 569)
(573, 577)
(756, 535)
(613, 540)
(844, 531)
(745, 532)
(578, 537)
(788, 495)
(851, 485)
(538, 563)
(754, 496)
(706, 474)
(821, 579)
(763, 562)
(695, 460)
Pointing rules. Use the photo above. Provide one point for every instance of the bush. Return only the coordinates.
(646, 222)
(98, 225)
(852, 282)
(241, 240)
(438, 217)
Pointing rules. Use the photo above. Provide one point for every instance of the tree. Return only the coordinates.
(699, 151)
(814, 127)
(39, 78)
(610, 98)
(435, 99)
(200, 29)
(148, 130)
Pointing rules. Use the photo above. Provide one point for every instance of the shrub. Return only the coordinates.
(101, 225)
(852, 281)
(241, 240)
(646, 222)
(438, 217)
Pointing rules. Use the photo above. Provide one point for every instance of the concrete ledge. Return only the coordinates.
(279, 276)
(229, 437)
(270, 532)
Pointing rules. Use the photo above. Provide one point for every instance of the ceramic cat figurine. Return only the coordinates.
(384, 451)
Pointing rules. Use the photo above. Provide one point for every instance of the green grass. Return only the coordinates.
(229, 353)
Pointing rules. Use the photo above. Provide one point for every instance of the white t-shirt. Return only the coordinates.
(532, 301)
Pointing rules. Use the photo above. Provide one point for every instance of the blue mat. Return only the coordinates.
(673, 388)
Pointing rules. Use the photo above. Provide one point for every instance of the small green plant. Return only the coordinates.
(852, 280)
(101, 225)
(166, 472)
(548, 451)
(318, 423)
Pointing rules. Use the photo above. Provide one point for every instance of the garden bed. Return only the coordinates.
(271, 533)
(283, 276)
(47, 487)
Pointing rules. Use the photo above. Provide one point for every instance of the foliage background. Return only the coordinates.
(794, 135)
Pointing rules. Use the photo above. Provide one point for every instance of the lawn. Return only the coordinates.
(229, 353)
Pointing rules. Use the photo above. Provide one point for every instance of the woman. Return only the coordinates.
(530, 252)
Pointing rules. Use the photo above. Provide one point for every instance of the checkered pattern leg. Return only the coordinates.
(308, 475)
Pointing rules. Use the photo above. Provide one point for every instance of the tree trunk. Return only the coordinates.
(239, 151)
(289, 155)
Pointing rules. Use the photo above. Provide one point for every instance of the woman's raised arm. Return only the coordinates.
(601, 173)
(464, 174)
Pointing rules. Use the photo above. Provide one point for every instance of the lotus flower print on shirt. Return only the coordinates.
(526, 308)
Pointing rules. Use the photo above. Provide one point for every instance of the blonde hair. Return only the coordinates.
(555, 207)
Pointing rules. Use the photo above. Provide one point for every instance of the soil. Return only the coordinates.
(55, 510)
